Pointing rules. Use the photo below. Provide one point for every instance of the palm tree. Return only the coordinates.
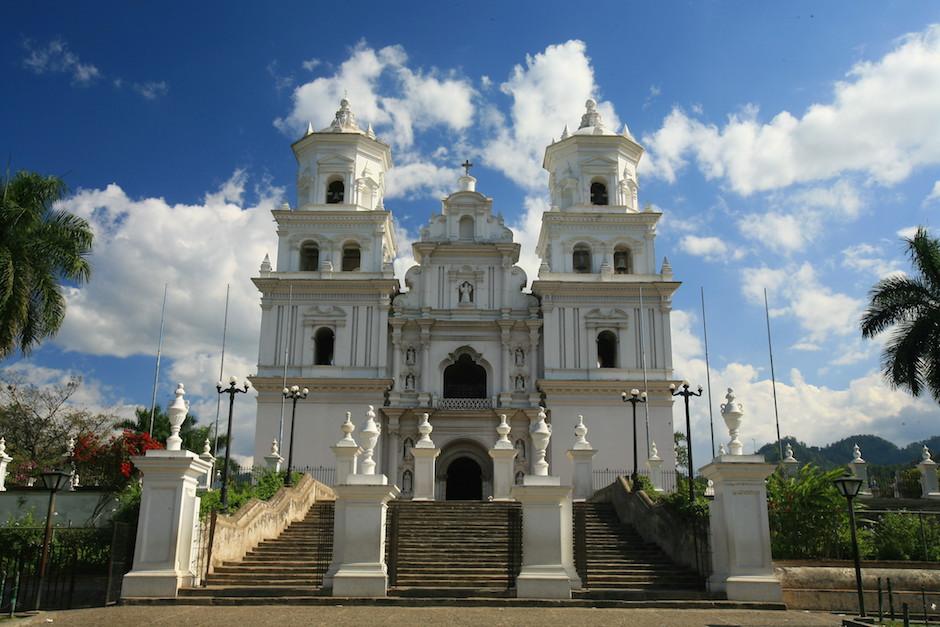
(910, 305)
(40, 246)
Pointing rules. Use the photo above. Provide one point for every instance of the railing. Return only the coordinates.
(465, 403)
(251, 474)
(604, 477)
(85, 566)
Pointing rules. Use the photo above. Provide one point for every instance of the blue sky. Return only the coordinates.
(787, 145)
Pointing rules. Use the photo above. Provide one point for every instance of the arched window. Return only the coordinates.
(606, 350)
(466, 227)
(351, 257)
(335, 192)
(623, 260)
(309, 257)
(598, 193)
(464, 379)
(581, 258)
(323, 342)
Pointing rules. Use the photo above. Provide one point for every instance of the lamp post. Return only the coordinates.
(634, 398)
(686, 393)
(52, 480)
(294, 393)
(232, 389)
(849, 488)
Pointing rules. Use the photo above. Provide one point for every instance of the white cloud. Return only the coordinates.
(420, 179)
(92, 395)
(709, 248)
(526, 233)
(882, 122)
(934, 194)
(781, 232)
(151, 90)
(547, 93)
(415, 100)
(868, 259)
(821, 312)
(311, 64)
(56, 58)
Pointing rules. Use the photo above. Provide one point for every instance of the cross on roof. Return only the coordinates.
(466, 165)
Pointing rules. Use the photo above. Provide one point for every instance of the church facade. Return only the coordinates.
(464, 339)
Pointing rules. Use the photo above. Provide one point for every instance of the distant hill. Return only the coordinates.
(875, 450)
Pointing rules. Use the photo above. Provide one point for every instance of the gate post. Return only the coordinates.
(424, 453)
(169, 509)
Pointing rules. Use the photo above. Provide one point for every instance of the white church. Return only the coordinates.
(466, 339)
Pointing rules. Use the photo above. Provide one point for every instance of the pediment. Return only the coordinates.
(324, 311)
(335, 159)
(607, 313)
(599, 161)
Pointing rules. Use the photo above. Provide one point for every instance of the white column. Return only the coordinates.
(582, 456)
(655, 467)
(503, 454)
(928, 476)
(424, 453)
(859, 469)
(740, 531)
(169, 509)
(4, 460)
(547, 552)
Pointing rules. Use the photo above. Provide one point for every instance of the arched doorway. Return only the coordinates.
(464, 480)
(465, 379)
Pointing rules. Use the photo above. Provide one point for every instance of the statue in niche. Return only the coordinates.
(520, 383)
(520, 449)
(410, 381)
(407, 446)
(520, 357)
(466, 292)
(520, 477)
(406, 482)
(410, 356)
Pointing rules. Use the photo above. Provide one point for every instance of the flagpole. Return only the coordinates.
(646, 407)
(773, 378)
(218, 400)
(708, 376)
(156, 372)
(287, 336)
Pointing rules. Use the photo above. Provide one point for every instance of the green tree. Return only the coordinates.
(40, 246)
(911, 306)
(193, 435)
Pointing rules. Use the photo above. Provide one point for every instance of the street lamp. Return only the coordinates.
(231, 390)
(686, 393)
(849, 488)
(294, 394)
(52, 480)
(634, 398)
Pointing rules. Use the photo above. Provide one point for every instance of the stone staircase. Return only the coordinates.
(453, 548)
(619, 564)
(289, 566)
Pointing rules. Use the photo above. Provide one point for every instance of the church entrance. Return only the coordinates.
(464, 480)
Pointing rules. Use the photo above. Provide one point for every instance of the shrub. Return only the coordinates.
(904, 536)
(909, 483)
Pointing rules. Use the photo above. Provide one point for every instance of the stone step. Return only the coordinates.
(251, 591)
(254, 561)
(262, 569)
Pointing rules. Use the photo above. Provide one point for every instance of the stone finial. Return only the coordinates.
(857, 455)
(177, 414)
(425, 429)
(580, 431)
(626, 132)
(274, 448)
(732, 411)
(370, 436)
(370, 132)
(348, 427)
(266, 263)
(788, 452)
(925, 454)
(591, 117)
(503, 430)
(345, 119)
(541, 433)
(666, 269)
(70, 446)
(564, 133)
(206, 449)
(722, 450)
(3, 447)
(309, 129)
(654, 452)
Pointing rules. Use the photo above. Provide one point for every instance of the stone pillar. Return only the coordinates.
(790, 464)
(359, 568)
(582, 456)
(928, 476)
(207, 457)
(424, 453)
(4, 460)
(504, 455)
(273, 460)
(346, 451)
(740, 531)
(169, 510)
(547, 552)
(654, 466)
(859, 468)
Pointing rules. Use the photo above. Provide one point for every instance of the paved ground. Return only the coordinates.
(246, 616)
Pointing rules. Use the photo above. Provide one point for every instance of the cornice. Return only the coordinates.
(604, 288)
(271, 284)
(321, 384)
(575, 387)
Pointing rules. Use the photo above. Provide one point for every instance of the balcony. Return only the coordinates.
(465, 403)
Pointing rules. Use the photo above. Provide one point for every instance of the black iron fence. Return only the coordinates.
(85, 567)
(252, 474)
(903, 535)
(604, 477)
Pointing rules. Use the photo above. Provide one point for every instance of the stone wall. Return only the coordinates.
(256, 521)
